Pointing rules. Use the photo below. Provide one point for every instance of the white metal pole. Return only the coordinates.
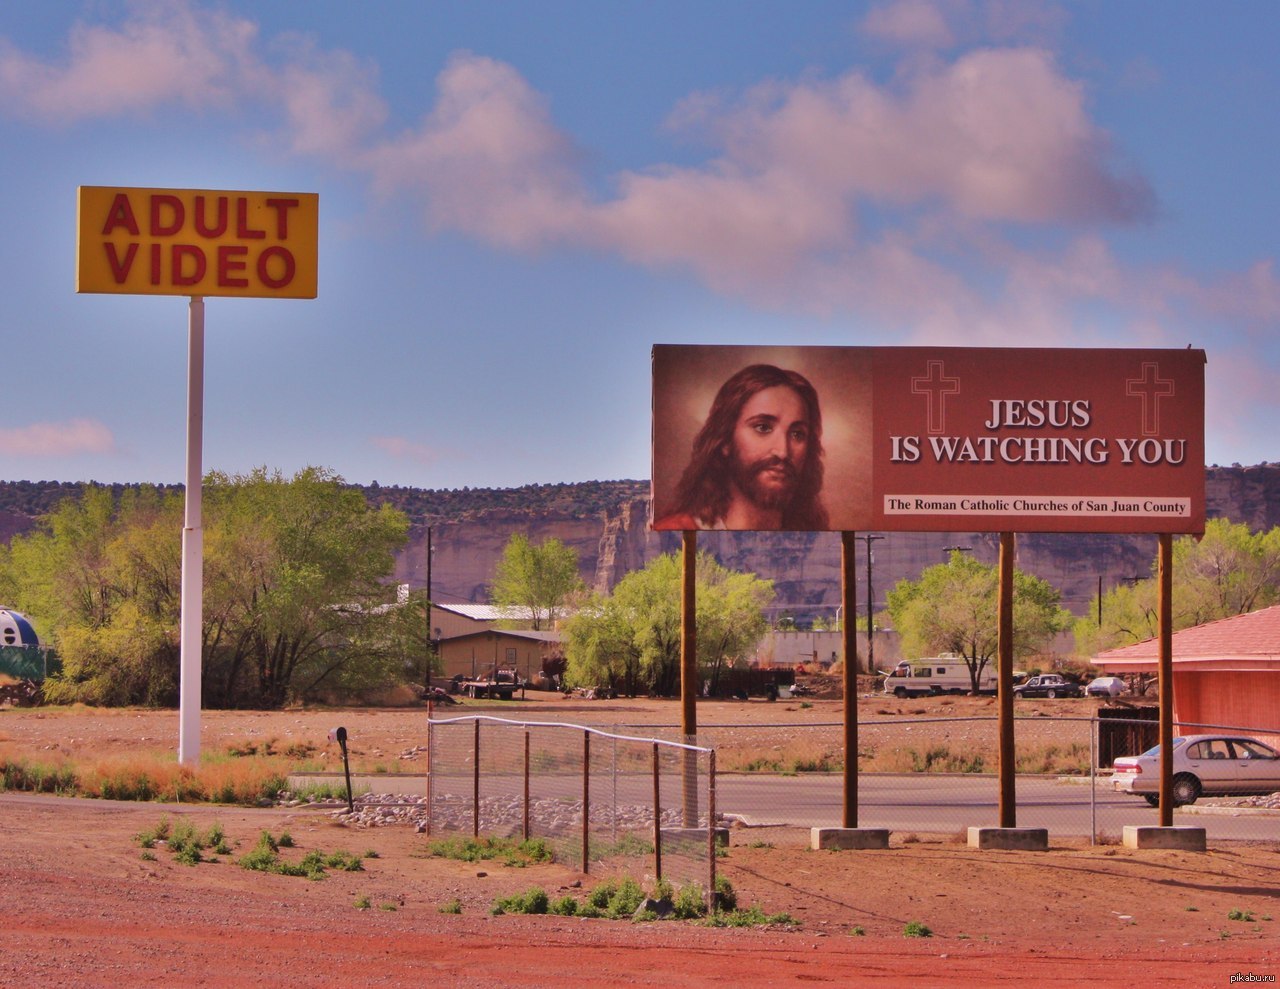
(192, 547)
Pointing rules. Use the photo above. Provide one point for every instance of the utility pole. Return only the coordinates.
(430, 638)
(869, 538)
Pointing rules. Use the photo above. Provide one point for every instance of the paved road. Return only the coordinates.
(953, 803)
(919, 802)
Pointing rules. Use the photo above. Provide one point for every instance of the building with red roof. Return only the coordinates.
(1224, 673)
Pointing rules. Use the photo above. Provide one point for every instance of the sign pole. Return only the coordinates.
(849, 642)
(1164, 677)
(1004, 677)
(192, 619)
(689, 672)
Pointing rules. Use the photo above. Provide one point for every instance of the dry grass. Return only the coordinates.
(146, 777)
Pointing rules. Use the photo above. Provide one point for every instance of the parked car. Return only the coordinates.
(1203, 765)
(1048, 685)
(1106, 687)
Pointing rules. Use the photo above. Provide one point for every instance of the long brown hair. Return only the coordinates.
(703, 491)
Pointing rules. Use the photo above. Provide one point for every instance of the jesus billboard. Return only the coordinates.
(920, 438)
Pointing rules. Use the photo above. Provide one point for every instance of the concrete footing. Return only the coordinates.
(1010, 839)
(1183, 837)
(844, 839)
(689, 836)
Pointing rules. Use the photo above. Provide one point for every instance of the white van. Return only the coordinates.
(945, 674)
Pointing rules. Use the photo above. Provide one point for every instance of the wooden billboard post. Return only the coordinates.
(1008, 811)
(848, 640)
(689, 673)
(1164, 677)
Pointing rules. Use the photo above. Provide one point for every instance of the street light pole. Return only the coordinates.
(869, 538)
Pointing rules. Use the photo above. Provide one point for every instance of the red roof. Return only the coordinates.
(1248, 642)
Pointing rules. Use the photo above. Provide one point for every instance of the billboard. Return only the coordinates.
(928, 439)
(196, 242)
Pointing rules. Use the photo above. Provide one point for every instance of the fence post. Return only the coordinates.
(431, 780)
(586, 800)
(526, 784)
(475, 787)
(711, 831)
(1093, 781)
(657, 818)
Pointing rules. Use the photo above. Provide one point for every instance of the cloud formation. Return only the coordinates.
(167, 54)
(904, 201)
(403, 449)
(57, 439)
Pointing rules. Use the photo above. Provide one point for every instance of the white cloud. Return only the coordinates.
(166, 54)
(914, 23)
(403, 449)
(900, 202)
(57, 439)
(487, 159)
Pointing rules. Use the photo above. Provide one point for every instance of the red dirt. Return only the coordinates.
(87, 909)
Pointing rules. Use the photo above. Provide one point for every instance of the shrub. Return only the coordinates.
(531, 901)
(566, 906)
(506, 850)
(690, 902)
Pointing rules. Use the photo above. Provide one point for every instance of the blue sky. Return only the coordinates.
(518, 200)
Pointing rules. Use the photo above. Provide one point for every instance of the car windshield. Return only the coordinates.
(1155, 749)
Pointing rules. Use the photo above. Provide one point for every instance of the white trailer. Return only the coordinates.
(946, 674)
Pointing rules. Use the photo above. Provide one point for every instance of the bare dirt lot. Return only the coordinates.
(88, 906)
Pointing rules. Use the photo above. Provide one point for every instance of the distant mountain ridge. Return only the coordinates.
(606, 522)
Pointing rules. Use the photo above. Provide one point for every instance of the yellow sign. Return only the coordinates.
(197, 242)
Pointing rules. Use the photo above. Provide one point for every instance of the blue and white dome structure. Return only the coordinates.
(16, 629)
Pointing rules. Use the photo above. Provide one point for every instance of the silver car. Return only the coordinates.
(1203, 765)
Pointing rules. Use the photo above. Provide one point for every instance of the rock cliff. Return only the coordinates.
(607, 524)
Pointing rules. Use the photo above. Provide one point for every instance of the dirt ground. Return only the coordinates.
(87, 906)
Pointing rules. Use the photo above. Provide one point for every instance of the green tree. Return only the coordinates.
(730, 616)
(1229, 571)
(632, 637)
(953, 607)
(296, 588)
(295, 591)
(102, 579)
(539, 580)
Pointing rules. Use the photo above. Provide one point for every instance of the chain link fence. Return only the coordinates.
(603, 801)
(920, 775)
(939, 775)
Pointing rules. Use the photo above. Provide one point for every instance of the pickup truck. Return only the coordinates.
(503, 684)
(1049, 685)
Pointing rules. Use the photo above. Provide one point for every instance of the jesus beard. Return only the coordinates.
(769, 483)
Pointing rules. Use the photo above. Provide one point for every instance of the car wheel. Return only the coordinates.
(1152, 798)
(1051, 694)
(1186, 788)
(900, 692)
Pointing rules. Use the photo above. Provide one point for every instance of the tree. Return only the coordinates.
(295, 595)
(538, 579)
(953, 607)
(730, 616)
(102, 580)
(1229, 571)
(633, 636)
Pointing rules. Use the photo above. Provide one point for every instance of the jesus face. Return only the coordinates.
(769, 447)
